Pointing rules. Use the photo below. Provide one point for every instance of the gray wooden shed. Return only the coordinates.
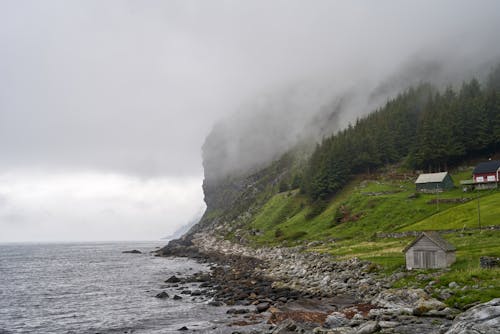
(429, 250)
(434, 182)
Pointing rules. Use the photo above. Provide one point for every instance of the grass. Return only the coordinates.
(465, 215)
(373, 206)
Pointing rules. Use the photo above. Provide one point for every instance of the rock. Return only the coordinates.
(237, 311)
(336, 319)
(133, 251)
(398, 298)
(196, 293)
(368, 327)
(183, 328)
(480, 319)
(341, 330)
(427, 305)
(177, 297)
(162, 295)
(215, 303)
(388, 324)
(173, 279)
(447, 313)
(489, 262)
(285, 327)
(262, 307)
(407, 301)
(453, 285)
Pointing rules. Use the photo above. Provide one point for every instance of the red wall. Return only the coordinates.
(485, 175)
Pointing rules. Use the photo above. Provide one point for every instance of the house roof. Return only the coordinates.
(487, 167)
(431, 177)
(435, 238)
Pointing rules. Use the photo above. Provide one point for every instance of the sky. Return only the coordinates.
(105, 105)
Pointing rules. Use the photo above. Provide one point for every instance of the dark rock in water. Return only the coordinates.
(133, 251)
(183, 328)
(173, 279)
(177, 297)
(186, 292)
(196, 293)
(215, 303)
(162, 295)
(262, 307)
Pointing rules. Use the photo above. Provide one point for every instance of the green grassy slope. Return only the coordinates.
(349, 223)
(483, 210)
(368, 206)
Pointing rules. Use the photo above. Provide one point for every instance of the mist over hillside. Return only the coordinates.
(262, 130)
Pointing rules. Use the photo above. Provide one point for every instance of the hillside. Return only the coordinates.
(349, 226)
(353, 194)
(421, 128)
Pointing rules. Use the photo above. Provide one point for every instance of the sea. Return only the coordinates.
(95, 288)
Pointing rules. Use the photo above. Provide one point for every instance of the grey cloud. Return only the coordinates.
(135, 87)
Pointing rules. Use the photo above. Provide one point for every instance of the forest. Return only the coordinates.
(423, 128)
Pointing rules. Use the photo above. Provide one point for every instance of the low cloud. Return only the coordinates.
(91, 206)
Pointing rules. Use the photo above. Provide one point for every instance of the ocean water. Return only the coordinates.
(94, 288)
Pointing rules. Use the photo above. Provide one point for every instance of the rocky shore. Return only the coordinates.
(286, 290)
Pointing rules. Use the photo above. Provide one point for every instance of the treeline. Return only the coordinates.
(425, 128)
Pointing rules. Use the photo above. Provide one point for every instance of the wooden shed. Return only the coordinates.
(429, 250)
(434, 182)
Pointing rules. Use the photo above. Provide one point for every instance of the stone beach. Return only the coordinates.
(287, 290)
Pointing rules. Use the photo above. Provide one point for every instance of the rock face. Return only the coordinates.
(481, 319)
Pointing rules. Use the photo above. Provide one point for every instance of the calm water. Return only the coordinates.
(94, 288)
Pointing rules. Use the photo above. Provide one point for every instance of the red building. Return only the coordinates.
(487, 174)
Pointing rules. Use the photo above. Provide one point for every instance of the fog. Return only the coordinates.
(117, 97)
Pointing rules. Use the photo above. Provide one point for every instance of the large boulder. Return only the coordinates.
(335, 320)
(410, 301)
(480, 319)
(368, 328)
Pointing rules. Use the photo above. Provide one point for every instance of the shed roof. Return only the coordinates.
(435, 238)
(487, 167)
(431, 177)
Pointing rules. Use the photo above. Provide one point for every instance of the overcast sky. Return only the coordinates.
(104, 105)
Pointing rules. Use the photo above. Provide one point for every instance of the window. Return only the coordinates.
(480, 179)
(491, 178)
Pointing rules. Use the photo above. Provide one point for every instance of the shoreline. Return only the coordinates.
(285, 290)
